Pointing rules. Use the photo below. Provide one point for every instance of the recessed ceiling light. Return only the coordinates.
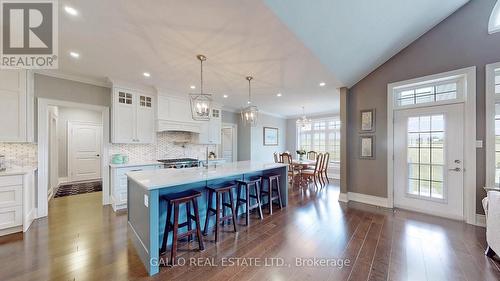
(192, 87)
(225, 96)
(278, 94)
(146, 74)
(322, 84)
(70, 10)
(74, 54)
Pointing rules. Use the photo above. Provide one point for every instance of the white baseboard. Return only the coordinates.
(343, 197)
(480, 220)
(62, 180)
(366, 199)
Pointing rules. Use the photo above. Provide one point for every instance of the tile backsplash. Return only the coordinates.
(19, 155)
(168, 145)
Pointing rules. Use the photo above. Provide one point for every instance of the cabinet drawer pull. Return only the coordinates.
(136, 170)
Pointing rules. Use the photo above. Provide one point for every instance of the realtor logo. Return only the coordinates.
(29, 34)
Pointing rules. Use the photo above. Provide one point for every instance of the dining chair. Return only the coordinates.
(286, 158)
(276, 156)
(316, 172)
(311, 155)
(324, 168)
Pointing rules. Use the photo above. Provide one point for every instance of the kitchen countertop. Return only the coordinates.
(155, 179)
(18, 171)
(135, 164)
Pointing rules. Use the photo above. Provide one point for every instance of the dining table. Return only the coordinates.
(300, 165)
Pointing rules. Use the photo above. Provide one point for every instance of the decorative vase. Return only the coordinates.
(301, 157)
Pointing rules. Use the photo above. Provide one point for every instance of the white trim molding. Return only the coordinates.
(490, 122)
(480, 220)
(75, 78)
(365, 199)
(43, 156)
(469, 100)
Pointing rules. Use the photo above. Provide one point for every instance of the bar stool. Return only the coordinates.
(246, 185)
(174, 200)
(220, 195)
(273, 191)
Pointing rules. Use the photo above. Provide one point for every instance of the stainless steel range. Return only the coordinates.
(180, 163)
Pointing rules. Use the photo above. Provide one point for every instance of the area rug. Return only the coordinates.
(78, 188)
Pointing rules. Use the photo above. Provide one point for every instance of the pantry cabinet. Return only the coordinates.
(132, 116)
(16, 106)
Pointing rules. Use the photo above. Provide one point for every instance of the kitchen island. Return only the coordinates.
(147, 213)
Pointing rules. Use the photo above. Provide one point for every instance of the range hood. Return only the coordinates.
(176, 126)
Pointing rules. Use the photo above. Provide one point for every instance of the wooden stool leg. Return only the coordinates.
(167, 229)
(207, 217)
(247, 215)
(232, 209)
(279, 192)
(188, 216)
(259, 204)
(238, 198)
(175, 229)
(270, 196)
(223, 207)
(217, 215)
(198, 230)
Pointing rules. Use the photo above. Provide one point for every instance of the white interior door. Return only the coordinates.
(84, 151)
(227, 144)
(428, 160)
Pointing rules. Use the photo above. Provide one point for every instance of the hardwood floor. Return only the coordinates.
(81, 240)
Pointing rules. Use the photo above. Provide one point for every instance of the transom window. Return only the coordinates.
(494, 22)
(322, 135)
(427, 94)
(425, 150)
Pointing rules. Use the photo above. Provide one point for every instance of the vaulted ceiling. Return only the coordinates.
(288, 46)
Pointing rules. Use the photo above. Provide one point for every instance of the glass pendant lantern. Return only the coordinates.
(303, 121)
(201, 104)
(250, 113)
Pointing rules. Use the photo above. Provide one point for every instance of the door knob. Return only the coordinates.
(457, 169)
(98, 155)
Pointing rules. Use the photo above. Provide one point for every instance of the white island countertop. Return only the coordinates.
(155, 179)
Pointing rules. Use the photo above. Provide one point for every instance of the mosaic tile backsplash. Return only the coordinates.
(19, 155)
(168, 145)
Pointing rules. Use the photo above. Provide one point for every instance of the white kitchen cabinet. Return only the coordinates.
(16, 106)
(133, 117)
(211, 131)
(119, 182)
(17, 202)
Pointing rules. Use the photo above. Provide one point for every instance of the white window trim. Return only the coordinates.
(336, 118)
(490, 123)
(469, 74)
(492, 27)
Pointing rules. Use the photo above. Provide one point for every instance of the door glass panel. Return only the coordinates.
(425, 150)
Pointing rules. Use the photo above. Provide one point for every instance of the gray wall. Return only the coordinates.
(260, 152)
(67, 114)
(459, 41)
(66, 90)
(230, 117)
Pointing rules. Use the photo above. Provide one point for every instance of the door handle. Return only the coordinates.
(457, 169)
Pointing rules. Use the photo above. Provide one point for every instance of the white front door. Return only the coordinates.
(428, 160)
(227, 144)
(84, 150)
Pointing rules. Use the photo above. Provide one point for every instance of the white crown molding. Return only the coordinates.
(72, 77)
(115, 82)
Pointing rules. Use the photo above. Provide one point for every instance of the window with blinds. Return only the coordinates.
(323, 135)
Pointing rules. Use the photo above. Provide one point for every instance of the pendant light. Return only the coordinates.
(250, 113)
(303, 121)
(201, 104)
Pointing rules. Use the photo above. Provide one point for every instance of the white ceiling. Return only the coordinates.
(122, 39)
(354, 37)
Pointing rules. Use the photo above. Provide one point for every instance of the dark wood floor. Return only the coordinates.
(81, 240)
